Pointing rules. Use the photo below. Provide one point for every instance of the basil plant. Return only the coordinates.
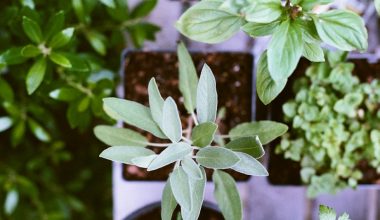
(191, 150)
(335, 126)
(296, 31)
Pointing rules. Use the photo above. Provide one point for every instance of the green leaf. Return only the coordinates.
(203, 134)
(207, 23)
(260, 29)
(197, 187)
(84, 104)
(266, 130)
(6, 93)
(264, 11)
(217, 158)
(267, 88)
(310, 4)
(143, 9)
(132, 113)
(168, 202)
(249, 145)
(55, 24)
(35, 75)
(11, 202)
(227, 196)
(65, 94)
(284, 51)
(171, 123)
(62, 38)
(188, 79)
(326, 213)
(13, 56)
(79, 11)
(18, 132)
(144, 161)
(30, 51)
(108, 3)
(5, 123)
(191, 168)
(97, 41)
(32, 30)
(28, 3)
(39, 132)
(179, 182)
(60, 59)
(342, 29)
(119, 136)
(207, 97)
(125, 154)
(156, 102)
(249, 166)
(171, 154)
(313, 52)
(78, 64)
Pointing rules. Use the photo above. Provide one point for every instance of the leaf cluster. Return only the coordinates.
(335, 126)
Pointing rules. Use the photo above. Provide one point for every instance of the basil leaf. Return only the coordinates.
(191, 168)
(217, 158)
(60, 59)
(168, 202)
(35, 75)
(179, 182)
(188, 79)
(284, 51)
(156, 102)
(313, 52)
(342, 29)
(62, 38)
(203, 134)
(249, 166)
(227, 195)
(125, 154)
(32, 30)
(30, 51)
(206, 22)
(119, 136)
(207, 96)
(266, 130)
(132, 113)
(248, 145)
(308, 5)
(260, 29)
(171, 154)
(171, 123)
(264, 11)
(267, 88)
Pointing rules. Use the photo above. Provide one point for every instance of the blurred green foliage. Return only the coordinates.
(58, 59)
(335, 126)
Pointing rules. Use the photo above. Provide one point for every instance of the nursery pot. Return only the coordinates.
(285, 171)
(152, 211)
(233, 73)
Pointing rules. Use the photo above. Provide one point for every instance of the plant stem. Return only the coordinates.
(186, 140)
(222, 136)
(194, 118)
(157, 144)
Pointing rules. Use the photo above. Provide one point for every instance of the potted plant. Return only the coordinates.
(334, 135)
(190, 148)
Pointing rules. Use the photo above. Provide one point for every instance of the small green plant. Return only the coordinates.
(327, 213)
(295, 29)
(335, 125)
(192, 150)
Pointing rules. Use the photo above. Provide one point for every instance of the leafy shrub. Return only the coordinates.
(335, 126)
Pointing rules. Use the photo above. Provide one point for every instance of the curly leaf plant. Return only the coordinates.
(295, 29)
(191, 150)
(335, 126)
(327, 213)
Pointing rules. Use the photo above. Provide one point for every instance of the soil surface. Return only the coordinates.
(233, 73)
(287, 172)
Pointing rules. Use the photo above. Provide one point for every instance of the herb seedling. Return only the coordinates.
(327, 213)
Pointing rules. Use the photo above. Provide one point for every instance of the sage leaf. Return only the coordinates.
(30, 51)
(197, 187)
(156, 102)
(188, 79)
(266, 130)
(62, 38)
(38, 131)
(119, 136)
(249, 145)
(248, 165)
(32, 30)
(60, 59)
(264, 11)
(227, 196)
(267, 88)
(180, 185)
(11, 202)
(217, 158)
(284, 50)
(35, 75)
(313, 52)
(5, 123)
(203, 134)
(342, 29)
(168, 202)
(260, 29)
(206, 22)
(143, 161)
(171, 123)
(191, 168)
(207, 97)
(125, 154)
(132, 113)
(171, 154)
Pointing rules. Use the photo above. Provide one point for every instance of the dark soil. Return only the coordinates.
(233, 73)
(287, 172)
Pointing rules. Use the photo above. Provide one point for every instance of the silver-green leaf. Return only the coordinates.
(197, 187)
(250, 145)
(217, 158)
(203, 134)
(125, 154)
(207, 97)
(143, 161)
(179, 182)
(249, 166)
(191, 168)
(171, 122)
(156, 102)
(171, 154)
(119, 136)
(168, 202)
